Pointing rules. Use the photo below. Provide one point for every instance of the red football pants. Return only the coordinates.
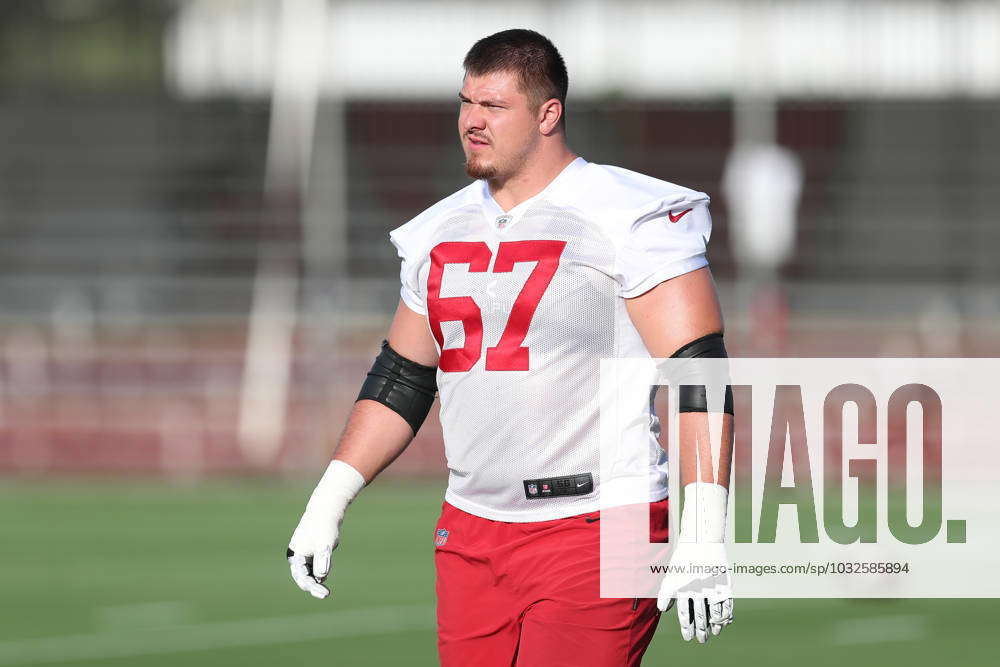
(527, 594)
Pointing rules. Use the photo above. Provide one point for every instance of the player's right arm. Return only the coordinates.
(376, 434)
(393, 402)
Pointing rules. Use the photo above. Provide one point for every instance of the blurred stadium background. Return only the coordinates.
(195, 197)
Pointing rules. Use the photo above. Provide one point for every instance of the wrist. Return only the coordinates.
(340, 484)
(703, 518)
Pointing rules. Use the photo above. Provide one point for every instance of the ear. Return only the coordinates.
(549, 114)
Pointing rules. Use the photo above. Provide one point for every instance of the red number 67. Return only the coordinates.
(508, 354)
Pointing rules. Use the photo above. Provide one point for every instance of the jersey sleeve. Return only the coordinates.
(663, 243)
(411, 260)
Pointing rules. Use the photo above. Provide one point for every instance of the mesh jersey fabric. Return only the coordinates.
(599, 234)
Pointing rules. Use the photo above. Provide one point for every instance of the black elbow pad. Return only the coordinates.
(691, 395)
(405, 387)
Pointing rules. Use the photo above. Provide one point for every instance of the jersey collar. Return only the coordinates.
(501, 220)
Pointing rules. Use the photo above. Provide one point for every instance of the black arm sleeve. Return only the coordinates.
(691, 396)
(404, 386)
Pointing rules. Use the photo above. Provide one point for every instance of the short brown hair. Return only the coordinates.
(531, 55)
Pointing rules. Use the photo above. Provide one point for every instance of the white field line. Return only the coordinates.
(144, 615)
(228, 634)
(879, 629)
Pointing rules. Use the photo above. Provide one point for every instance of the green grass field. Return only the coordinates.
(154, 574)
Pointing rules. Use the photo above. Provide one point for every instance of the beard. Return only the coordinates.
(498, 169)
(476, 169)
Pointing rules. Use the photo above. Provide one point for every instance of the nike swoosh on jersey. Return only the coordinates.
(675, 218)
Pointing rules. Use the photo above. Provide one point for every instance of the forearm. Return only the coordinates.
(374, 436)
(703, 459)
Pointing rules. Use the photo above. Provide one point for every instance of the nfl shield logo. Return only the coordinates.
(533, 489)
(440, 537)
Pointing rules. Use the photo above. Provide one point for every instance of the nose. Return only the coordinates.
(471, 118)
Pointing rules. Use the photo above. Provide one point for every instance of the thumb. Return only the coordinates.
(668, 590)
(321, 562)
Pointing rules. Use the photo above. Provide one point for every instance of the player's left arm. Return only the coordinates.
(681, 317)
(668, 317)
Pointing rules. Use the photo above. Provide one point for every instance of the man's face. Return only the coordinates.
(497, 125)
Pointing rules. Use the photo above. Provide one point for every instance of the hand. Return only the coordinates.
(698, 574)
(699, 580)
(311, 548)
(310, 551)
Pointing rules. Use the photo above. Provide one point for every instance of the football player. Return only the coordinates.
(513, 290)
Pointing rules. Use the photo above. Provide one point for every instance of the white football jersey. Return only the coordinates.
(523, 305)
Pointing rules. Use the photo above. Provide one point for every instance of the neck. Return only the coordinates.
(540, 170)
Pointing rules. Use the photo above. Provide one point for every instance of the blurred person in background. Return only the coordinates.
(513, 290)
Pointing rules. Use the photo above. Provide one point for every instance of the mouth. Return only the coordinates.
(476, 142)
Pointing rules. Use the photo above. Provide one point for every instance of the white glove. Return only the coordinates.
(318, 532)
(698, 575)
